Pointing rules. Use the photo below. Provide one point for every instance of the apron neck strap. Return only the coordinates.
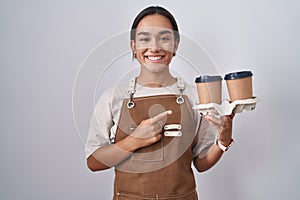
(180, 86)
(132, 90)
(132, 86)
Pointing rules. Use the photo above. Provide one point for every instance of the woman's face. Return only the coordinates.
(154, 44)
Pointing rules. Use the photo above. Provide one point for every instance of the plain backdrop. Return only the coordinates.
(43, 44)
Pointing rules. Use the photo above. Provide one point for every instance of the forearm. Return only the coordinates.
(109, 156)
(224, 126)
(205, 163)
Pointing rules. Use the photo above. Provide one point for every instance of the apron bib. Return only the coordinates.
(161, 170)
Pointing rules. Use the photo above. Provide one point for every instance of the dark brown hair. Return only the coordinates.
(151, 11)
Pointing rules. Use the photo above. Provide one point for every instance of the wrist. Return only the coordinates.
(127, 144)
(224, 146)
(224, 142)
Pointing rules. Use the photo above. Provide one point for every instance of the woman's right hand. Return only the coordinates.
(148, 131)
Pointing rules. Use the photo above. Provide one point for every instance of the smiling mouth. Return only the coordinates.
(154, 58)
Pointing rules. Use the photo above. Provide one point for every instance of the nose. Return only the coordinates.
(154, 45)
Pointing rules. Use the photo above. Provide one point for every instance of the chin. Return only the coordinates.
(155, 67)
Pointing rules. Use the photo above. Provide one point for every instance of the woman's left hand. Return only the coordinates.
(224, 127)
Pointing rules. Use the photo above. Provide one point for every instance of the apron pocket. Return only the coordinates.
(154, 152)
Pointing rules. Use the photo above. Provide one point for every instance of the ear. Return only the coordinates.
(133, 48)
(132, 45)
(176, 46)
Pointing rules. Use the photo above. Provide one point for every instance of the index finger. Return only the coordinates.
(161, 116)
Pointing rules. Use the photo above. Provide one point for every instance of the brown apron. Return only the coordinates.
(161, 170)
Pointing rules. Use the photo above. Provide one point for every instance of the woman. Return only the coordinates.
(147, 130)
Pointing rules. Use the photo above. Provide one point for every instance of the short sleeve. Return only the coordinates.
(205, 138)
(205, 133)
(100, 125)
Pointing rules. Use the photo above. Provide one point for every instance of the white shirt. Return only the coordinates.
(104, 121)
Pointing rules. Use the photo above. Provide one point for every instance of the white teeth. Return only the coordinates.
(154, 58)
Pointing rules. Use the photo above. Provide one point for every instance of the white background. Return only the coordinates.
(43, 44)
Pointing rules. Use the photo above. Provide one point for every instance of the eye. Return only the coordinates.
(144, 39)
(165, 39)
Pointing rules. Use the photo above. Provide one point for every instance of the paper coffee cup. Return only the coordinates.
(239, 85)
(209, 89)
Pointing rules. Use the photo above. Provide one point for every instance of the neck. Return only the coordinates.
(156, 79)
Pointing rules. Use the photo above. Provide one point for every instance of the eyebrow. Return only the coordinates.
(143, 33)
(165, 32)
(160, 33)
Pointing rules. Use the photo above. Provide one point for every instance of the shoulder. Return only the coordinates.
(113, 93)
(190, 89)
(111, 99)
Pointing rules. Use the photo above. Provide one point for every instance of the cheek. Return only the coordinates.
(140, 47)
(169, 47)
(140, 51)
(140, 54)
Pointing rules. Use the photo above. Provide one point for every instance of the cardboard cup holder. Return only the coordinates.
(226, 108)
